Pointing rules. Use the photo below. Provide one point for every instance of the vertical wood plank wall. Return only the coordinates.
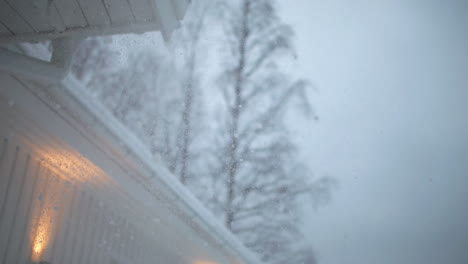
(45, 217)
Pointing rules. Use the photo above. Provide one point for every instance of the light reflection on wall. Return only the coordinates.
(45, 215)
(60, 170)
(71, 164)
(42, 235)
(203, 262)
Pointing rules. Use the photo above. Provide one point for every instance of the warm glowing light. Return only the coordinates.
(204, 262)
(61, 167)
(74, 165)
(42, 234)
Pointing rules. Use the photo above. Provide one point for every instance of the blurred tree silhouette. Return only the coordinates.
(243, 164)
(256, 176)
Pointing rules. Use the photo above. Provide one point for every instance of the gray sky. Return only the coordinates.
(392, 80)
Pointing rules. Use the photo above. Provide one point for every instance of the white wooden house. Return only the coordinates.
(75, 185)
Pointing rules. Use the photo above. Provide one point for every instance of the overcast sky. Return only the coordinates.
(392, 80)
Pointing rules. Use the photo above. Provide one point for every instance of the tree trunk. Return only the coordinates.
(235, 114)
(186, 118)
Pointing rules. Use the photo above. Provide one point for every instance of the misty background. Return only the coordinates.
(388, 81)
(392, 80)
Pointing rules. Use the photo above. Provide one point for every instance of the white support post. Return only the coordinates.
(54, 70)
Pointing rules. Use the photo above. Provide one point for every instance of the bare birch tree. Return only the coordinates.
(250, 173)
(257, 179)
(187, 40)
(141, 93)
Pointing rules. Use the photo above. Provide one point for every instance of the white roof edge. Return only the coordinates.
(187, 202)
(82, 32)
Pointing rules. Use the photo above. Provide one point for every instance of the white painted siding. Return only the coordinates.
(73, 187)
(4, 31)
(71, 13)
(10, 19)
(65, 223)
(95, 12)
(34, 12)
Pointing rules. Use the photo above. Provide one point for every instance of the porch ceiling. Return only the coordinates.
(26, 20)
